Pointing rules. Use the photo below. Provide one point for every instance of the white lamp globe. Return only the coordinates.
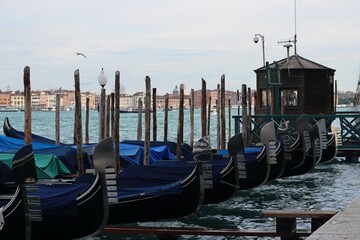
(102, 78)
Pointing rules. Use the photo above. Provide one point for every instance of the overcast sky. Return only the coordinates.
(171, 41)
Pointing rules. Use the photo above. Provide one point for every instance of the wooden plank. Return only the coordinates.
(174, 231)
(299, 214)
(344, 225)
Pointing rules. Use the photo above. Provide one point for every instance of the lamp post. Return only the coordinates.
(102, 79)
(256, 40)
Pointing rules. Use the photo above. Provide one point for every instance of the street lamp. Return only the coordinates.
(256, 40)
(102, 79)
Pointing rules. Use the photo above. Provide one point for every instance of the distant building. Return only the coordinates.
(5, 98)
(17, 100)
(45, 100)
(127, 102)
(214, 97)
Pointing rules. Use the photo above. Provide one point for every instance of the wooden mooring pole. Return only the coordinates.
(107, 127)
(180, 132)
(147, 121)
(208, 116)
(57, 120)
(78, 126)
(112, 112)
(238, 101)
(139, 126)
(192, 107)
(244, 113)
(27, 107)
(229, 118)
(222, 109)
(166, 117)
(154, 115)
(203, 107)
(218, 123)
(116, 130)
(249, 117)
(102, 113)
(87, 120)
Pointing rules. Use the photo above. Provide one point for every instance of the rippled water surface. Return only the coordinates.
(330, 186)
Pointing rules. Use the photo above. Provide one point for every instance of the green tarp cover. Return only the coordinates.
(48, 166)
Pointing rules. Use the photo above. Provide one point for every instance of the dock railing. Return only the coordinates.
(345, 124)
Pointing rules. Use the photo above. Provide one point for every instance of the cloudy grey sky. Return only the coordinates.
(172, 41)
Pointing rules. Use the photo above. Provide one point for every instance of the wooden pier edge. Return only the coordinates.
(285, 227)
(177, 231)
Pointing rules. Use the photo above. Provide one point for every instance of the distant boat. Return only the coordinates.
(129, 110)
(8, 109)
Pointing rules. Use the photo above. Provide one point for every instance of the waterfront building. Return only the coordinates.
(137, 96)
(5, 98)
(305, 87)
(45, 100)
(127, 102)
(17, 100)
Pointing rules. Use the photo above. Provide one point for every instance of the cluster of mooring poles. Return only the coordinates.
(109, 124)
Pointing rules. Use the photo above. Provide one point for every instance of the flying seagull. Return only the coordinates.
(81, 54)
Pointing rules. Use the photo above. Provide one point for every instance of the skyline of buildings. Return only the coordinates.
(45, 100)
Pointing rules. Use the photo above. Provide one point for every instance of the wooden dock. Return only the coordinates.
(286, 227)
(348, 135)
(344, 225)
(325, 225)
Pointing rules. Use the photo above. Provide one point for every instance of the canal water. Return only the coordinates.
(330, 186)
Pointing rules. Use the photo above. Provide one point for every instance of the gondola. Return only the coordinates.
(12, 132)
(331, 149)
(221, 180)
(255, 163)
(69, 209)
(221, 176)
(15, 222)
(327, 143)
(296, 154)
(274, 151)
(66, 154)
(149, 193)
(309, 149)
